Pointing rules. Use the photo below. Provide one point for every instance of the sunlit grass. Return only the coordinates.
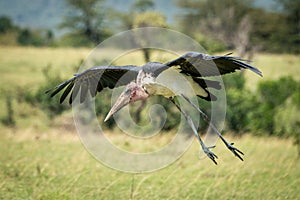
(56, 165)
(21, 66)
(274, 66)
(38, 162)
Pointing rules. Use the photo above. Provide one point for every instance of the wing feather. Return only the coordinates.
(198, 65)
(75, 91)
(66, 92)
(203, 65)
(83, 91)
(95, 80)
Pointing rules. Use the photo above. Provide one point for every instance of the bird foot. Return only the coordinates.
(210, 154)
(235, 151)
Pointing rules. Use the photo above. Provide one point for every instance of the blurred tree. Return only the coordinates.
(8, 31)
(5, 24)
(291, 10)
(235, 81)
(9, 119)
(126, 18)
(243, 27)
(286, 119)
(25, 37)
(49, 37)
(147, 19)
(11, 34)
(240, 103)
(271, 94)
(141, 15)
(39, 99)
(86, 18)
(224, 20)
(28, 37)
(143, 5)
(269, 30)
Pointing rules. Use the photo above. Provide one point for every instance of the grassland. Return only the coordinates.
(54, 166)
(23, 66)
(39, 162)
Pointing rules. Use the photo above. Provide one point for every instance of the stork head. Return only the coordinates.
(132, 93)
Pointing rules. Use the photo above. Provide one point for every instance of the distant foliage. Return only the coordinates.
(240, 25)
(9, 119)
(287, 120)
(235, 80)
(275, 98)
(272, 95)
(209, 44)
(10, 34)
(42, 100)
(6, 25)
(26, 38)
(86, 20)
(275, 93)
(273, 109)
(240, 103)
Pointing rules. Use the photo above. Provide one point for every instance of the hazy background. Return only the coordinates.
(43, 43)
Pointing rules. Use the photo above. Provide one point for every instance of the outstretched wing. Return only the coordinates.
(203, 65)
(94, 80)
(198, 66)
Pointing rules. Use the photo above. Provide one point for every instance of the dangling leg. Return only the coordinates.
(206, 150)
(230, 146)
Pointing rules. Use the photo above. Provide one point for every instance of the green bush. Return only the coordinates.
(271, 95)
(74, 40)
(28, 37)
(287, 120)
(44, 101)
(275, 92)
(240, 105)
(9, 119)
(6, 24)
(271, 110)
(210, 44)
(236, 81)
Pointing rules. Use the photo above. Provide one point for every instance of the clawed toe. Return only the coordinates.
(210, 154)
(235, 151)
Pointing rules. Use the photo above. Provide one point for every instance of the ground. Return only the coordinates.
(44, 159)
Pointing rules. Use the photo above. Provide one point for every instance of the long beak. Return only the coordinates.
(122, 101)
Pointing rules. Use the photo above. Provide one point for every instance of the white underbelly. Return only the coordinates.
(171, 82)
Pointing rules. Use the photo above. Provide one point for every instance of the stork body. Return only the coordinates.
(141, 84)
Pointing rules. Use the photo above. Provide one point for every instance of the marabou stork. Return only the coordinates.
(141, 84)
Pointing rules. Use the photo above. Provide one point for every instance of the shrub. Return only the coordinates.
(271, 95)
(9, 119)
(44, 101)
(240, 105)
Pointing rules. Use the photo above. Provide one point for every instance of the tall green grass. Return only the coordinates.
(56, 166)
(39, 161)
(274, 66)
(21, 66)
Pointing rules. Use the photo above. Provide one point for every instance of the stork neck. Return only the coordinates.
(144, 78)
